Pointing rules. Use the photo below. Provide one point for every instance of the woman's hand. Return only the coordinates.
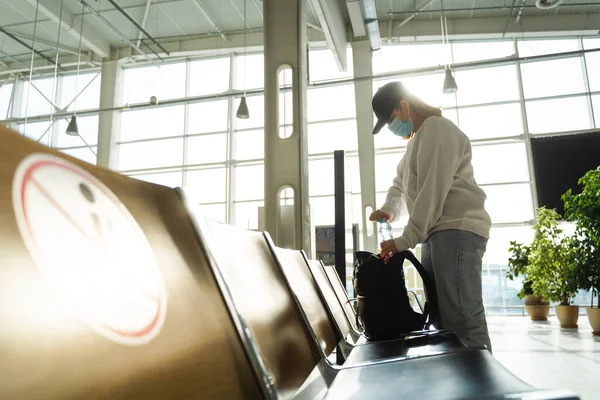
(388, 249)
(378, 215)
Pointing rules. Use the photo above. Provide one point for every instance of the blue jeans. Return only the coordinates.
(453, 258)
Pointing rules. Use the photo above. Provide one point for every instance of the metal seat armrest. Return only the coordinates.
(416, 299)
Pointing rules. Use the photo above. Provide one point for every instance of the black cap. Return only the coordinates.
(385, 101)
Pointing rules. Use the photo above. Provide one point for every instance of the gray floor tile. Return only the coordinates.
(547, 356)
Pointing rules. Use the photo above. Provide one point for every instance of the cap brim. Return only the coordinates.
(380, 124)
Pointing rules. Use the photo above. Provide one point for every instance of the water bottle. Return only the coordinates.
(385, 230)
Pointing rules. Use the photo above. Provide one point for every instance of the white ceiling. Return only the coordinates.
(181, 19)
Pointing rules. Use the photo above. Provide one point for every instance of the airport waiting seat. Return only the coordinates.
(342, 296)
(337, 314)
(54, 349)
(111, 289)
(269, 317)
(331, 287)
(311, 302)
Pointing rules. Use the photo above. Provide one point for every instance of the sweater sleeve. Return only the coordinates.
(395, 199)
(438, 157)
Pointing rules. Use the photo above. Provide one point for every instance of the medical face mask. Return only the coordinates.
(401, 128)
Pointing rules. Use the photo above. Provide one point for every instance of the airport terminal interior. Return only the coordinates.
(186, 184)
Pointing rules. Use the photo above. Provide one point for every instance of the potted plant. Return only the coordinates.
(551, 260)
(584, 210)
(518, 263)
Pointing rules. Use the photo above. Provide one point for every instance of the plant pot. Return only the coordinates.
(594, 318)
(537, 308)
(567, 316)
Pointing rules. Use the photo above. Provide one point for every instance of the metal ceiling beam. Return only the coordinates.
(16, 60)
(70, 23)
(490, 8)
(208, 18)
(520, 11)
(64, 49)
(114, 29)
(484, 28)
(415, 31)
(43, 67)
(410, 17)
(141, 28)
(357, 19)
(144, 19)
(331, 19)
(22, 43)
(372, 24)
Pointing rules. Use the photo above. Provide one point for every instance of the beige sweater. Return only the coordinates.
(436, 185)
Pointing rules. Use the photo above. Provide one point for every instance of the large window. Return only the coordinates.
(152, 123)
(81, 93)
(487, 158)
(540, 84)
(499, 293)
(537, 47)
(249, 72)
(543, 116)
(330, 103)
(5, 95)
(36, 102)
(322, 66)
(198, 145)
(38, 97)
(209, 76)
(165, 81)
(219, 159)
(596, 106)
(500, 84)
(409, 56)
(592, 61)
(463, 52)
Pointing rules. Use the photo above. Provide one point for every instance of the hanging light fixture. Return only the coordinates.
(242, 111)
(449, 81)
(72, 129)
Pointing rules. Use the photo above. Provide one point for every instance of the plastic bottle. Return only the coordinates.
(385, 230)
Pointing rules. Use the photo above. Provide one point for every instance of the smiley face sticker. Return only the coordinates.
(90, 249)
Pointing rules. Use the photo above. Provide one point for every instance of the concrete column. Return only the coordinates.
(286, 160)
(363, 93)
(109, 123)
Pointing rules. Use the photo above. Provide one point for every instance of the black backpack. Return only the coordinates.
(383, 304)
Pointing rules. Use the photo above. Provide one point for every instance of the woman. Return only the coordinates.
(445, 206)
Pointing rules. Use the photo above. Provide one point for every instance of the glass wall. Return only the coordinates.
(200, 145)
(219, 159)
(6, 88)
(331, 116)
(47, 95)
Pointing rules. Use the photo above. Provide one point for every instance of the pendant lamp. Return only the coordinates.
(242, 111)
(449, 82)
(72, 129)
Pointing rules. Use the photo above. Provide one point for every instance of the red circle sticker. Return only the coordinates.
(89, 248)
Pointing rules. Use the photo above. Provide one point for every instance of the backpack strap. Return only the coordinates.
(431, 306)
